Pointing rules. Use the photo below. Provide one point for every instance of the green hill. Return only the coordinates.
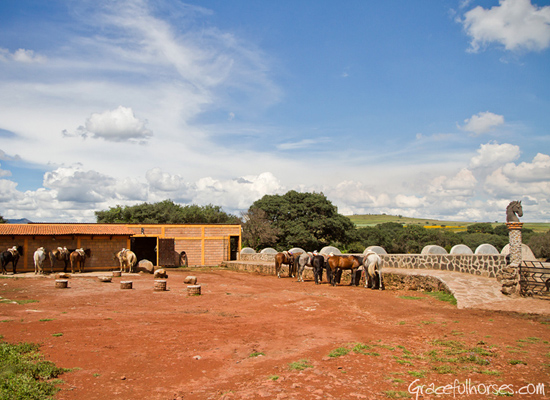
(374, 219)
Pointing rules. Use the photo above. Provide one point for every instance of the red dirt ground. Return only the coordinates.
(128, 344)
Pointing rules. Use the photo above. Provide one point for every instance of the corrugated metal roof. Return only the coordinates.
(64, 229)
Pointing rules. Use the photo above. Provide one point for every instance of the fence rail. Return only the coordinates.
(534, 279)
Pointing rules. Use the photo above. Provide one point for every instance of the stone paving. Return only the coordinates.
(473, 291)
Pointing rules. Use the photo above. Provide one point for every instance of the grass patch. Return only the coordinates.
(57, 334)
(394, 394)
(340, 351)
(443, 296)
(273, 377)
(256, 354)
(410, 297)
(417, 374)
(24, 374)
(489, 372)
(299, 365)
(45, 319)
(517, 362)
(444, 369)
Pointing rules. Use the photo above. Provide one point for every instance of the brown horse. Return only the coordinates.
(60, 254)
(10, 255)
(336, 264)
(126, 258)
(78, 257)
(286, 258)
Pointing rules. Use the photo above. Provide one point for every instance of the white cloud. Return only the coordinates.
(21, 56)
(75, 185)
(304, 143)
(164, 181)
(536, 171)
(482, 122)
(4, 172)
(494, 154)
(117, 125)
(515, 24)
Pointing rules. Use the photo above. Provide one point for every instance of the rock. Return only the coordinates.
(161, 274)
(145, 266)
(192, 280)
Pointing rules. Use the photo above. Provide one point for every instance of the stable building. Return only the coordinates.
(162, 244)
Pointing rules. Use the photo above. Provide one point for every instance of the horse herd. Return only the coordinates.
(370, 264)
(74, 257)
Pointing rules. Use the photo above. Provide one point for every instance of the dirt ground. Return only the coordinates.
(247, 336)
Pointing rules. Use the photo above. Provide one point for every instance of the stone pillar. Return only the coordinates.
(514, 235)
(510, 274)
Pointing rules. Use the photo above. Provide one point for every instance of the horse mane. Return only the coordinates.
(513, 204)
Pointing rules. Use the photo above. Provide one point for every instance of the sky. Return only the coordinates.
(428, 109)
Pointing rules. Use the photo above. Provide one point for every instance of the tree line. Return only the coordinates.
(311, 221)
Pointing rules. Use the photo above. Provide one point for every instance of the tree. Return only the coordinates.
(307, 220)
(257, 230)
(480, 227)
(2, 220)
(540, 244)
(166, 212)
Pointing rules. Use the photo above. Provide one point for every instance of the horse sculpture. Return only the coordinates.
(513, 211)
(127, 258)
(285, 257)
(372, 265)
(336, 264)
(10, 255)
(39, 258)
(60, 254)
(78, 258)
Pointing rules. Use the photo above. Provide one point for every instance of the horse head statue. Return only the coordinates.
(513, 211)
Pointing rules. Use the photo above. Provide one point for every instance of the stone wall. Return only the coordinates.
(484, 265)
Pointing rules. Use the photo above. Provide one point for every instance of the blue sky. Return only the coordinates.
(431, 109)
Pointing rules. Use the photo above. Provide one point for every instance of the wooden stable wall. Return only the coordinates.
(203, 244)
(102, 247)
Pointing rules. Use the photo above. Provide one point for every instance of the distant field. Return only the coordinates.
(371, 220)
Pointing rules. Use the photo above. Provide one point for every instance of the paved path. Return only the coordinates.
(473, 291)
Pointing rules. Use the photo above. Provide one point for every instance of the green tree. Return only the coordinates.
(540, 244)
(307, 220)
(2, 220)
(166, 212)
(480, 227)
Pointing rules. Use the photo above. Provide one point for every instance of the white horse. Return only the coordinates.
(126, 258)
(372, 264)
(39, 257)
(304, 261)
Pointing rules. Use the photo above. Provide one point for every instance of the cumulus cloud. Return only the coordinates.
(116, 125)
(21, 56)
(482, 122)
(494, 154)
(163, 181)
(75, 185)
(515, 24)
(536, 171)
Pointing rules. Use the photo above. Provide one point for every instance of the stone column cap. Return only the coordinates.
(514, 225)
